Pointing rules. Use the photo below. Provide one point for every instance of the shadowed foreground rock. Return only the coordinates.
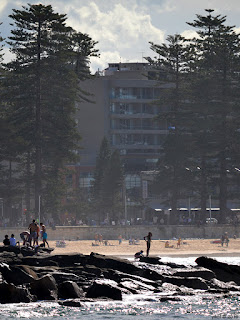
(73, 279)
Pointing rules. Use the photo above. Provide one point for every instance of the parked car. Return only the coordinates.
(211, 221)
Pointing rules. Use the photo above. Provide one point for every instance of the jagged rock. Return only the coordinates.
(151, 260)
(119, 276)
(45, 288)
(191, 282)
(196, 272)
(14, 249)
(135, 286)
(109, 262)
(104, 288)
(9, 293)
(150, 274)
(169, 298)
(15, 275)
(75, 302)
(10, 258)
(69, 289)
(223, 271)
(61, 277)
(93, 270)
(230, 286)
(71, 303)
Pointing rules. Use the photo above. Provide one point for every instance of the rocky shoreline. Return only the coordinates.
(74, 279)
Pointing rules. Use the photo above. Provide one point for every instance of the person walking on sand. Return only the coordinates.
(179, 242)
(148, 240)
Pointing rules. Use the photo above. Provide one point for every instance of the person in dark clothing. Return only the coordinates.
(148, 240)
(6, 241)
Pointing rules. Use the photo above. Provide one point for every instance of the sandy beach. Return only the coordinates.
(189, 247)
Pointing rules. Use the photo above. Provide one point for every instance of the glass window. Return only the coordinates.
(86, 179)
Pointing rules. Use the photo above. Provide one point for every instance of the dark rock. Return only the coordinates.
(93, 270)
(104, 288)
(15, 275)
(119, 276)
(14, 249)
(151, 260)
(61, 277)
(169, 298)
(109, 262)
(9, 293)
(150, 274)
(197, 273)
(195, 283)
(223, 271)
(135, 286)
(230, 286)
(71, 303)
(69, 289)
(10, 258)
(45, 288)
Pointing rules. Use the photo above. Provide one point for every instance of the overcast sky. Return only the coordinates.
(124, 28)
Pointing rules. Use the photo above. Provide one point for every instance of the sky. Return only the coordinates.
(124, 28)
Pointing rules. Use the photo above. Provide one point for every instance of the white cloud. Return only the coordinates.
(189, 34)
(3, 4)
(8, 56)
(121, 30)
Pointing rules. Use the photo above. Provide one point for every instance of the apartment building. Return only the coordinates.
(123, 107)
(124, 110)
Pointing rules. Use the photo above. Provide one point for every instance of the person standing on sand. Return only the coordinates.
(44, 234)
(148, 240)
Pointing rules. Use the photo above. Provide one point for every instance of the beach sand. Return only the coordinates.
(189, 247)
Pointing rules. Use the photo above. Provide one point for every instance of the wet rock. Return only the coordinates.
(169, 298)
(104, 288)
(61, 277)
(71, 303)
(45, 288)
(135, 286)
(9, 293)
(230, 286)
(15, 275)
(196, 272)
(69, 289)
(10, 258)
(223, 271)
(151, 260)
(109, 262)
(191, 282)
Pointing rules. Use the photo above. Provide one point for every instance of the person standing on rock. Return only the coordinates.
(33, 227)
(148, 240)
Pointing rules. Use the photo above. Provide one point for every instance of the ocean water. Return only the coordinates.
(202, 306)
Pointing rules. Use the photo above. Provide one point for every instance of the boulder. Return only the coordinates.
(135, 286)
(45, 288)
(61, 277)
(9, 293)
(151, 260)
(104, 288)
(69, 289)
(223, 271)
(191, 282)
(196, 272)
(15, 275)
(109, 262)
(71, 303)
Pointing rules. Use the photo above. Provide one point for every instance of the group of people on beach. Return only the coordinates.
(29, 238)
